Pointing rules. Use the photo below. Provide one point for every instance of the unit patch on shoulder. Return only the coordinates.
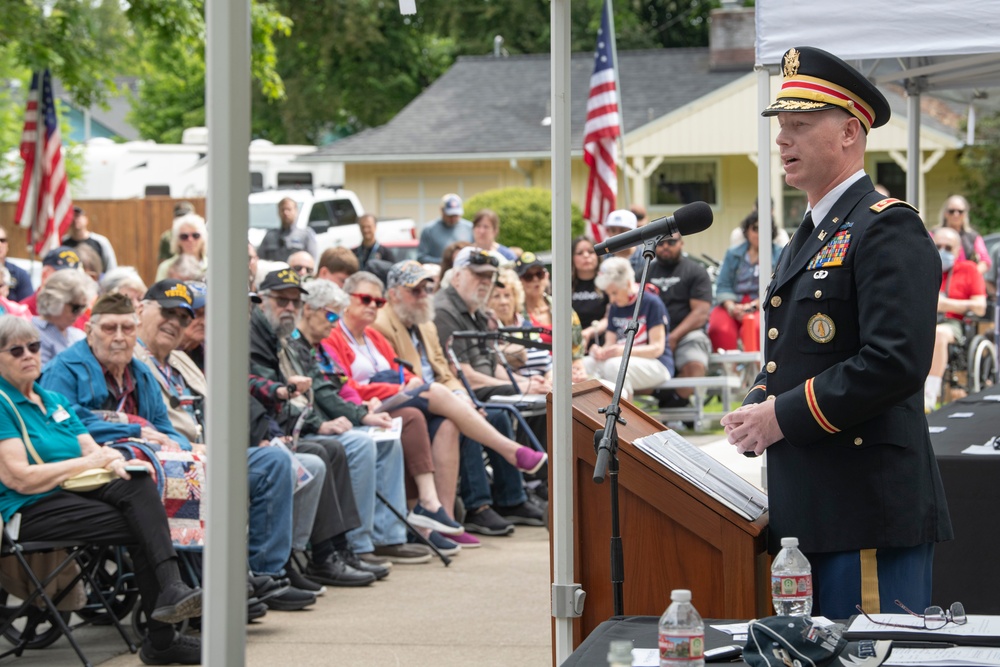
(889, 202)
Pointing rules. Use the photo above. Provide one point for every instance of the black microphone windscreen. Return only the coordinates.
(693, 218)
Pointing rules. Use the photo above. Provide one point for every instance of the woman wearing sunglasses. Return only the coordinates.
(955, 214)
(61, 301)
(735, 318)
(189, 238)
(368, 360)
(126, 511)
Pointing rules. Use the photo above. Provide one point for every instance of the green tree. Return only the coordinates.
(980, 165)
(525, 215)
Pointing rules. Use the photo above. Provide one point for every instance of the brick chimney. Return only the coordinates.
(731, 38)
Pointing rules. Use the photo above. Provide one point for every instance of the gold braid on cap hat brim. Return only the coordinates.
(810, 90)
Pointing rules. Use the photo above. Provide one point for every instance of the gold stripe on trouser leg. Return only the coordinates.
(869, 582)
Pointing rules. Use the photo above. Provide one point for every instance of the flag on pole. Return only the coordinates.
(601, 131)
(44, 207)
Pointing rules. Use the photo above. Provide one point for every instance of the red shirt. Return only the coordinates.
(966, 282)
(342, 348)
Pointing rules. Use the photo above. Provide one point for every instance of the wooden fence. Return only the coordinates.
(134, 227)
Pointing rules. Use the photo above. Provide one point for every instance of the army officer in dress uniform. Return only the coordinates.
(850, 316)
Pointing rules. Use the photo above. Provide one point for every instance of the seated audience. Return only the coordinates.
(189, 238)
(651, 363)
(123, 280)
(430, 488)
(963, 291)
(366, 354)
(955, 216)
(336, 264)
(115, 396)
(485, 229)
(619, 222)
(192, 341)
(58, 259)
(447, 260)
(450, 227)
(20, 280)
(302, 263)
(686, 292)
(63, 298)
(507, 304)
(7, 306)
(126, 511)
(735, 318)
(408, 325)
(589, 303)
(373, 466)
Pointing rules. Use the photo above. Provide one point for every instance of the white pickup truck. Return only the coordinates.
(331, 213)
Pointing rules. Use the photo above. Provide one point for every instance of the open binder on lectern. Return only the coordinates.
(703, 471)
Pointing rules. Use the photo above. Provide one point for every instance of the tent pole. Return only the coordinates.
(913, 161)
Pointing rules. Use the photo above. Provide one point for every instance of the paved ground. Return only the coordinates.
(490, 607)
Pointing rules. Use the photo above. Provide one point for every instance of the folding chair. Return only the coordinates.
(29, 609)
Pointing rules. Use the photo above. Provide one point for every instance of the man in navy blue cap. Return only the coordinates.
(58, 259)
(850, 316)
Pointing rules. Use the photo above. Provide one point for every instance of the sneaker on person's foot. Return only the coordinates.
(405, 554)
(421, 517)
(335, 572)
(530, 460)
(177, 602)
(466, 541)
(372, 559)
(524, 514)
(487, 522)
(255, 611)
(291, 600)
(445, 545)
(299, 581)
(265, 587)
(183, 650)
(358, 563)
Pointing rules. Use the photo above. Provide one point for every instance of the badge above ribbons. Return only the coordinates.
(833, 252)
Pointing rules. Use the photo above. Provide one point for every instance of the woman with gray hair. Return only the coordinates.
(61, 300)
(189, 238)
(430, 447)
(124, 280)
(652, 362)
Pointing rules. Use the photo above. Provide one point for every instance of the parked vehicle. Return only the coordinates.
(331, 213)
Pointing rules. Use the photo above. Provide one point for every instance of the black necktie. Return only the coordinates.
(802, 234)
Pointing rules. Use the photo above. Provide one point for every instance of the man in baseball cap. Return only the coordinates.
(619, 222)
(58, 259)
(444, 231)
(171, 294)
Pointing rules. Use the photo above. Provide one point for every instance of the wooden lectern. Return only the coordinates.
(673, 534)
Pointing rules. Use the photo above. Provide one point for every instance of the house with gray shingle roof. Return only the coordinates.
(690, 132)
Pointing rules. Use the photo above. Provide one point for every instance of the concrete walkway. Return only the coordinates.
(490, 607)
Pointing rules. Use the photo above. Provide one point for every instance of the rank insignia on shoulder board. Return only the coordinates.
(889, 202)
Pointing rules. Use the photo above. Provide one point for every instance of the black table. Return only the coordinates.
(963, 567)
(641, 631)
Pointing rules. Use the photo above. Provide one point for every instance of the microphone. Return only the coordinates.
(475, 334)
(691, 219)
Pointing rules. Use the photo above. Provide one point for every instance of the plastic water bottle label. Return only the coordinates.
(791, 586)
(681, 647)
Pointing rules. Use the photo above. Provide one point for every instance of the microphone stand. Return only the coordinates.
(606, 439)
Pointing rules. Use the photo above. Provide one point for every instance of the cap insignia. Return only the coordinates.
(791, 67)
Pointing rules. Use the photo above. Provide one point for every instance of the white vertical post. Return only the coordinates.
(560, 445)
(227, 97)
(764, 186)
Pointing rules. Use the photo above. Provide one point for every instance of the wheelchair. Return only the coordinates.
(972, 365)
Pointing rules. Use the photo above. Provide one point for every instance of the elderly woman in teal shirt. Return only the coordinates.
(126, 511)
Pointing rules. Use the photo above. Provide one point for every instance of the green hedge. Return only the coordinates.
(525, 216)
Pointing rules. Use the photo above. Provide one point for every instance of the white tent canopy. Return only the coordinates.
(950, 49)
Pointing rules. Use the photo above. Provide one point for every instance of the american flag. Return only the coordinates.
(601, 131)
(44, 208)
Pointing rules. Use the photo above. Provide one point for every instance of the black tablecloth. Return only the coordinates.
(641, 630)
(963, 567)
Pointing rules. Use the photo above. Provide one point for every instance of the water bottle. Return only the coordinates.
(620, 653)
(682, 633)
(791, 580)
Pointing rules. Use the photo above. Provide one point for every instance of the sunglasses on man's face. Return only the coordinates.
(423, 289)
(185, 237)
(670, 242)
(17, 351)
(283, 302)
(368, 299)
(302, 269)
